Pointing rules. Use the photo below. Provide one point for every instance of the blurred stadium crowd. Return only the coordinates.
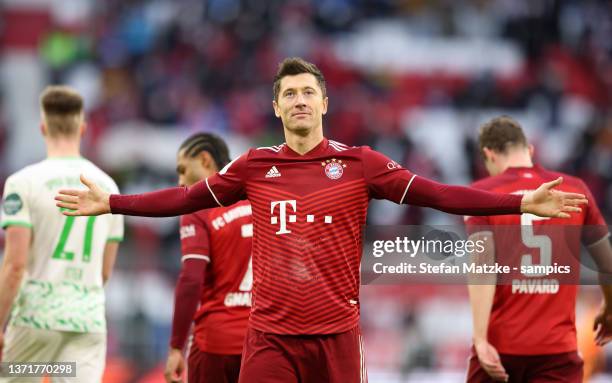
(411, 78)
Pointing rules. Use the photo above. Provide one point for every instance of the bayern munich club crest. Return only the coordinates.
(333, 168)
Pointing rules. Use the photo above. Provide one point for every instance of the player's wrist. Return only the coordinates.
(174, 350)
(526, 203)
(106, 199)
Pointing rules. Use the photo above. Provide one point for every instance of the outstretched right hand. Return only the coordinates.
(93, 201)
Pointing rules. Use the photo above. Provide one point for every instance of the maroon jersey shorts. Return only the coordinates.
(566, 368)
(204, 367)
(331, 358)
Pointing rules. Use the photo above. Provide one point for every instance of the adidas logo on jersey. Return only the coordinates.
(273, 172)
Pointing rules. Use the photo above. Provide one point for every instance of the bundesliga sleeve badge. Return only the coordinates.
(333, 168)
(12, 204)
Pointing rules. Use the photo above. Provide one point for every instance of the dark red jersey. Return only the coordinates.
(222, 236)
(534, 313)
(308, 214)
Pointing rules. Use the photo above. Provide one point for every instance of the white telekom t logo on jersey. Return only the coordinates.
(283, 217)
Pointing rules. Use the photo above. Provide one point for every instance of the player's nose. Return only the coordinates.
(300, 100)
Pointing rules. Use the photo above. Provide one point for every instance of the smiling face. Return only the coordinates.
(300, 104)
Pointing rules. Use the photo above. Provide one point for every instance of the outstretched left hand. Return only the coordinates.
(546, 202)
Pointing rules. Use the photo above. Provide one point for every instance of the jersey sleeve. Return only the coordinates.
(594, 228)
(15, 203)
(186, 299)
(116, 229)
(386, 179)
(223, 188)
(228, 185)
(476, 223)
(195, 238)
(116, 232)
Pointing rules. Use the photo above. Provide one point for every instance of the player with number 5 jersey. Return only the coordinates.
(57, 264)
(216, 273)
(524, 329)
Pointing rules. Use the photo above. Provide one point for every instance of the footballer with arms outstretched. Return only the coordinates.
(309, 197)
(216, 273)
(56, 264)
(525, 331)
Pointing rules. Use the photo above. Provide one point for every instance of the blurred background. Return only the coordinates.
(411, 78)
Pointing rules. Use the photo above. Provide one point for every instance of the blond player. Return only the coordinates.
(55, 267)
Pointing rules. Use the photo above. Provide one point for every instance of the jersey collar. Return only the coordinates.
(319, 149)
(521, 169)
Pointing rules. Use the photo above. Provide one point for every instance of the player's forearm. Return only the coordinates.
(460, 199)
(481, 300)
(185, 306)
(186, 299)
(601, 252)
(108, 260)
(164, 203)
(606, 291)
(10, 282)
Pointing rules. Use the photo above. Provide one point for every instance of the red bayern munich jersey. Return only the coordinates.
(222, 236)
(526, 320)
(308, 217)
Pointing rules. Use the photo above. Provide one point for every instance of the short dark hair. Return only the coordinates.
(62, 108)
(295, 65)
(209, 142)
(500, 134)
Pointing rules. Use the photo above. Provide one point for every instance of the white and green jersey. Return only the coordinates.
(63, 287)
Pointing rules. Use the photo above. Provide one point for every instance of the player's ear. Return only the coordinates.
(276, 109)
(489, 154)
(325, 103)
(83, 128)
(43, 129)
(206, 160)
(531, 150)
(181, 180)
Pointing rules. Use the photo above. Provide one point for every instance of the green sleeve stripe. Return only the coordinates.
(114, 239)
(16, 223)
